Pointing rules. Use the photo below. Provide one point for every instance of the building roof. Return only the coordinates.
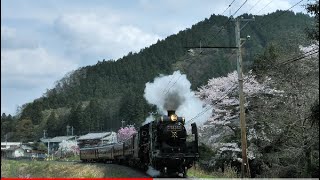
(91, 136)
(11, 143)
(26, 147)
(57, 139)
(109, 136)
(111, 139)
(13, 148)
(7, 145)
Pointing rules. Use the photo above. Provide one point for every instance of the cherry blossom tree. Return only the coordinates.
(222, 94)
(67, 148)
(222, 130)
(125, 133)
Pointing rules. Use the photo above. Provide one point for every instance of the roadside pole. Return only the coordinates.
(245, 169)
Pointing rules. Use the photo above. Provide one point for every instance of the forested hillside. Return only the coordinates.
(98, 97)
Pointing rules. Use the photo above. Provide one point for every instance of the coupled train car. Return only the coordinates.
(162, 144)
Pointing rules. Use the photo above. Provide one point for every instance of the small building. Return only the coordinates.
(15, 149)
(96, 139)
(7, 145)
(15, 152)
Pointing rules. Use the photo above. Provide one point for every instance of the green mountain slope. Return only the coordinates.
(98, 97)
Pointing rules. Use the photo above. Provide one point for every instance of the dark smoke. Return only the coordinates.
(173, 100)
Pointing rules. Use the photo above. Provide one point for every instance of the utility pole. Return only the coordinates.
(122, 122)
(6, 153)
(72, 130)
(48, 147)
(44, 134)
(245, 170)
(68, 130)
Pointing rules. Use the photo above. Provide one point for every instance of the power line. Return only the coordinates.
(200, 45)
(264, 7)
(253, 6)
(173, 84)
(286, 11)
(190, 65)
(306, 54)
(228, 7)
(233, 87)
(240, 7)
(164, 89)
(201, 113)
(206, 109)
(302, 57)
(231, 17)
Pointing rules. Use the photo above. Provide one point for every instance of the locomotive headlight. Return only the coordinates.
(174, 117)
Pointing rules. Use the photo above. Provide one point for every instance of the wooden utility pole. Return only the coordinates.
(245, 170)
(48, 147)
(68, 130)
(72, 131)
(122, 123)
(44, 133)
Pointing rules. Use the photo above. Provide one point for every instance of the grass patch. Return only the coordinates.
(197, 172)
(70, 158)
(24, 168)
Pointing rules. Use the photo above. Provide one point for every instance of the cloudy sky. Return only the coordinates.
(41, 41)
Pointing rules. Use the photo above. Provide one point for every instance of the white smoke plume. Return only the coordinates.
(148, 119)
(173, 92)
(152, 172)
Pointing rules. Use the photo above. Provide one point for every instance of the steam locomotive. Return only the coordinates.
(162, 144)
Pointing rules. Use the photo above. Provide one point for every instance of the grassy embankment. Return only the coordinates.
(26, 168)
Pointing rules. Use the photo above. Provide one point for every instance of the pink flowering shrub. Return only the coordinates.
(125, 133)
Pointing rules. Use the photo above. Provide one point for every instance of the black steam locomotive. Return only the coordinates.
(162, 144)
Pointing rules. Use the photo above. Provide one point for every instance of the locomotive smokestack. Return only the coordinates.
(170, 112)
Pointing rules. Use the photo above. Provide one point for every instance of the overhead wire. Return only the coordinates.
(233, 87)
(240, 7)
(241, 28)
(264, 7)
(302, 56)
(285, 62)
(213, 37)
(254, 5)
(228, 7)
(210, 106)
(167, 91)
(230, 17)
(284, 12)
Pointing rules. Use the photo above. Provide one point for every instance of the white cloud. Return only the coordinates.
(102, 34)
(27, 73)
(7, 32)
(32, 62)
(10, 39)
(24, 65)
